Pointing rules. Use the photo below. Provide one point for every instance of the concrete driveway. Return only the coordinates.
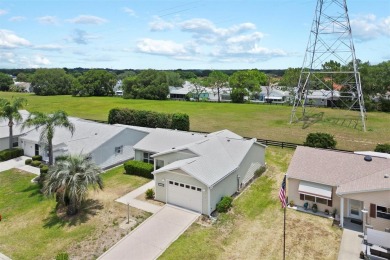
(150, 239)
(18, 163)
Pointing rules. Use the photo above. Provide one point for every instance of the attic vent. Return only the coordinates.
(228, 140)
(386, 176)
(95, 133)
(368, 158)
(173, 148)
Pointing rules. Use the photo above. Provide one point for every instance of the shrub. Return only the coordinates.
(44, 169)
(27, 161)
(225, 204)
(152, 119)
(139, 168)
(149, 193)
(238, 95)
(35, 163)
(8, 154)
(260, 171)
(382, 148)
(320, 140)
(61, 158)
(62, 256)
(37, 158)
(180, 121)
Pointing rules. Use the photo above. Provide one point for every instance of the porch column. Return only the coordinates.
(341, 212)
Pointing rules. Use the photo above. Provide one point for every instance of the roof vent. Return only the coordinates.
(228, 140)
(368, 158)
(386, 176)
(95, 133)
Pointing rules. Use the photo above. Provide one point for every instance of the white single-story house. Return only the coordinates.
(16, 129)
(195, 171)
(273, 94)
(107, 145)
(351, 183)
(205, 93)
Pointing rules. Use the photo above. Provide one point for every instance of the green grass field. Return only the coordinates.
(250, 120)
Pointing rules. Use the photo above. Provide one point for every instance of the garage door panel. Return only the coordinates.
(185, 195)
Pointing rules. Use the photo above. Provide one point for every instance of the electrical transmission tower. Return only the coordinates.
(330, 67)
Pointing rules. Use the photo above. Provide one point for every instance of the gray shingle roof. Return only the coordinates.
(218, 156)
(347, 170)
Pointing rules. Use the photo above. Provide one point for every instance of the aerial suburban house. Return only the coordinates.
(195, 171)
(273, 94)
(107, 145)
(16, 129)
(348, 182)
(188, 91)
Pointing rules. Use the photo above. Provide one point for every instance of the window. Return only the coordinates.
(147, 158)
(187, 186)
(315, 199)
(181, 185)
(119, 149)
(15, 142)
(382, 212)
(170, 182)
(159, 164)
(193, 188)
(198, 189)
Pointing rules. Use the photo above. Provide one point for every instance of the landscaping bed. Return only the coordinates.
(31, 228)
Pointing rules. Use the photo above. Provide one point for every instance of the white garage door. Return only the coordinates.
(184, 195)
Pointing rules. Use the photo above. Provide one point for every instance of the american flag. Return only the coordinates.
(282, 193)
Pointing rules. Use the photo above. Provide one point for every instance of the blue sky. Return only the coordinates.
(172, 34)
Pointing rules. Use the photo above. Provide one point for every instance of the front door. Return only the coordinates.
(355, 209)
(36, 149)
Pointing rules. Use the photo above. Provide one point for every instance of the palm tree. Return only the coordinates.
(10, 110)
(70, 178)
(49, 122)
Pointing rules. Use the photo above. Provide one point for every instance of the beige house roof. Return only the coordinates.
(347, 170)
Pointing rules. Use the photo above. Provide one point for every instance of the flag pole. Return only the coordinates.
(284, 233)
(282, 197)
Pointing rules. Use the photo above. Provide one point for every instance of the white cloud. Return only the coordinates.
(40, 60)
(159, 24)
(167, 48)
(47, 20)
(2, 12)
(35, 61)
(17, 18)
(7, 57)
(256, 36)
(9, 40)
(129, 11)
(368, 27)
(48, 47)
(87, 19)
(80, 37)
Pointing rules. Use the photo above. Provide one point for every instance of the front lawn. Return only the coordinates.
(253, 229)
(31, 229)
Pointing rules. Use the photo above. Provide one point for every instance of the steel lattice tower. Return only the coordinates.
(330, 58)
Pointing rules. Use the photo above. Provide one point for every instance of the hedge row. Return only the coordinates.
(139, 168)
(151, 119)
(8, 154)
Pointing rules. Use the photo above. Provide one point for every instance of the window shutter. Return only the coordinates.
(330, 203)
(372, 210)
(301, 197)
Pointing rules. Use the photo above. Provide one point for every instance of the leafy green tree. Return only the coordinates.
(5, 81)
(49, 122)
(249, 79)
(23, 77)
(186, 75)
(174, 79)
(216, 81)
(70, 179)
(198, 88)
(47, 82)
(320, 140)
(149, 84)
(126, 74)
(238, 95)
(10, 110)
(290, 77)
(96, 83)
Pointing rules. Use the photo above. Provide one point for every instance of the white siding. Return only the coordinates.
(178, 176)
(28, 147)
(4, 143)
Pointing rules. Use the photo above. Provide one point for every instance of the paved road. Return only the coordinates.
(150, 239)
(130, 198)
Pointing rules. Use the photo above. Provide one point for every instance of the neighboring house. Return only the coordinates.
(195, 171)
(322, 98)
(273, 94)
(107, 145)
(347, 182)
(24, 86)
(205, 93)
(17, 131)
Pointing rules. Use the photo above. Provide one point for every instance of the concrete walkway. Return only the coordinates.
(150, 239)
(4, 257)
(130, 198)
(18, 163)
(351, 245)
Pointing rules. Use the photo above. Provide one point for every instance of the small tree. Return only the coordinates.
(320, 140)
